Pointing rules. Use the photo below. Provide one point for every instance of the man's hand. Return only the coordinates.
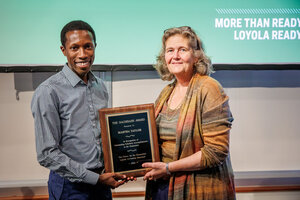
(112, 180)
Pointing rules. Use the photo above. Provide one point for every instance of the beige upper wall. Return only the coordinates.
(17, 145)
(265, 133)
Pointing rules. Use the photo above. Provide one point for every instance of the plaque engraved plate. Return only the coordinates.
(129, 138)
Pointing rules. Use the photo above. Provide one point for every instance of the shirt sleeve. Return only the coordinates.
(45, 111)
(216, 124)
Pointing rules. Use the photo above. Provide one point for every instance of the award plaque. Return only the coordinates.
(129, 138)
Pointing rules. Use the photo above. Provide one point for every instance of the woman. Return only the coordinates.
(193, 120)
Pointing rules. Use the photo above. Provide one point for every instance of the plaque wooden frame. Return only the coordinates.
(109, 133)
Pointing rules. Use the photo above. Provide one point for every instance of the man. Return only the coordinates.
(65, 110)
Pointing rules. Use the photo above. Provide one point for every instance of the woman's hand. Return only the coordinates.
(158, 170)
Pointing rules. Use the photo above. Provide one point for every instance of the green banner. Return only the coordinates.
(130, 31)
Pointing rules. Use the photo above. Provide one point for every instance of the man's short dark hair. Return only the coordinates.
(76, 25)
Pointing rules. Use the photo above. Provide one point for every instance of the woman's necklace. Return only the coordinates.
(171, 113)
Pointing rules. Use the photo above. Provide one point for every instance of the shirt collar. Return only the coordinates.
(92, 76)
(74, 78)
